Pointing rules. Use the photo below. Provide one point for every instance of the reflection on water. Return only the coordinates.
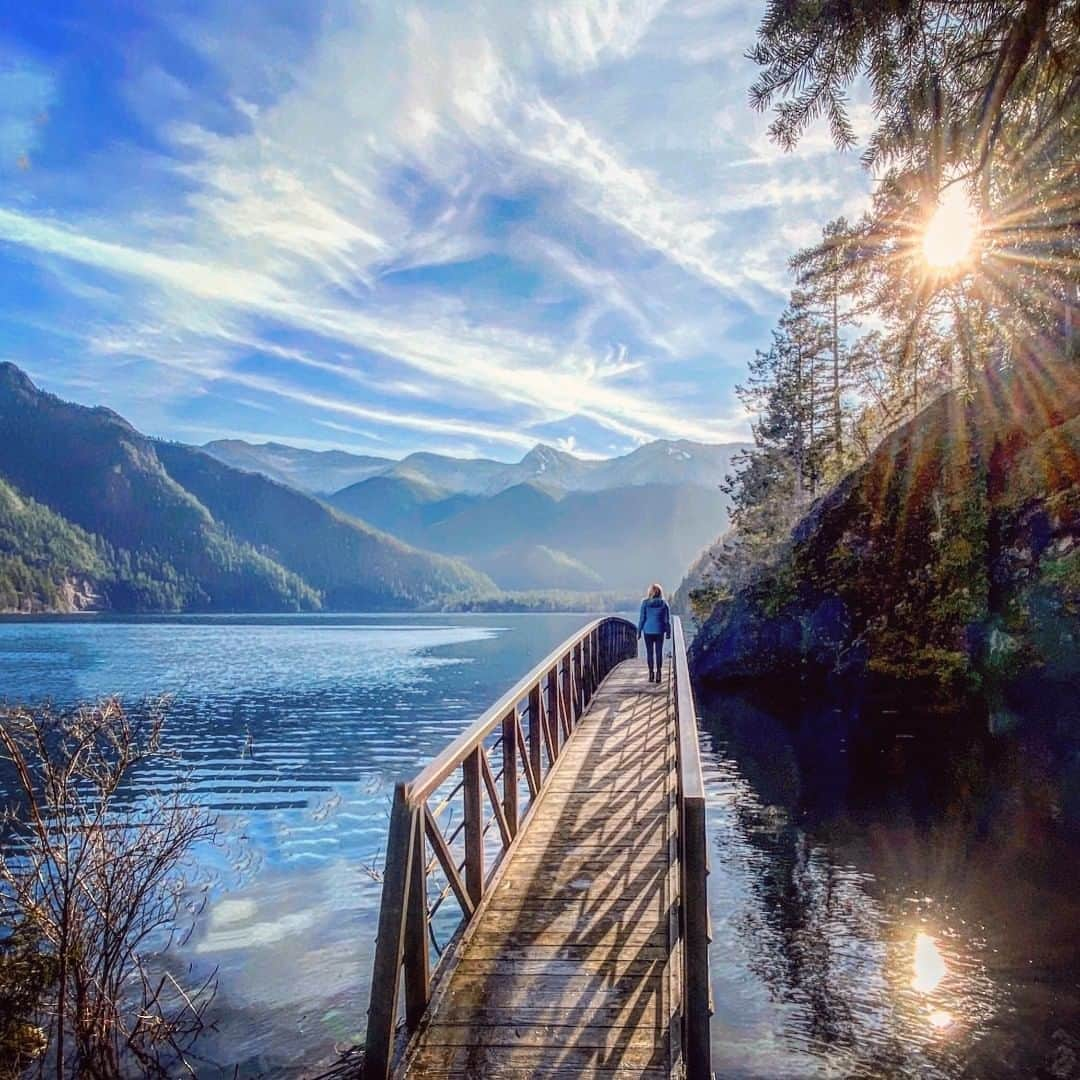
(889, 899)
(294, 729)
(929, 966)
(940, 1018)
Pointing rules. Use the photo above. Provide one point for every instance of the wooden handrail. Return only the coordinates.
(434, 773)
(693, 870)
(556, 692)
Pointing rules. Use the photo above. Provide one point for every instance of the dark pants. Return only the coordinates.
(654, 645)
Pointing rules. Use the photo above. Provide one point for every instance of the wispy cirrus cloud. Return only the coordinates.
(481, 223)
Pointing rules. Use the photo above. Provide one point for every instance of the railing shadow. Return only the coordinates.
(571, 943)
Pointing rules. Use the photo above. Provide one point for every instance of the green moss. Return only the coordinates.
(949, 670)
(1062, 572)
(703, 600)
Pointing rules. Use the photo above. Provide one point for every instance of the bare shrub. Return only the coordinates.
(98, 879)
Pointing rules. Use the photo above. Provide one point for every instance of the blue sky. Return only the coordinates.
(460, 225)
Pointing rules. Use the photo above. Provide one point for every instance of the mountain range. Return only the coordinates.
(325, 472)
(534, 536)
(95, 514)
(544, 522)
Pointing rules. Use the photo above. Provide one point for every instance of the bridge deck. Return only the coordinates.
(571, 965)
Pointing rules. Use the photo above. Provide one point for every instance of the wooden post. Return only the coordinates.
(390, 942)
(417, 963)
(535, 735)
(566, 691)
(474, 825)
(510, 771)
(579, 703)
(697, 1004)
(551, 708)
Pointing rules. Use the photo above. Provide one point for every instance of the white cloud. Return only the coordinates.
(582, 33)
(375, 149)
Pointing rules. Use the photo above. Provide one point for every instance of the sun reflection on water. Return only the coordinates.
(929, 965)
(941, 1018)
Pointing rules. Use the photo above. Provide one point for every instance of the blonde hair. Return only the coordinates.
(655, 590)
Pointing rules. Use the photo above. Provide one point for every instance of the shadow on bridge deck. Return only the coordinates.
(571, 966)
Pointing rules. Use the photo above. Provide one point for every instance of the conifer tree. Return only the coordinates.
(829, 273)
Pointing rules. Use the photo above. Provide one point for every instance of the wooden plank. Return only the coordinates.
(633, 821)
(538, 927)
(481, 1062)
(575, 683)
(694, 868)
(653, 903)
(646, 1015)
(568, 965)
(589, 874)
(616, 1040)
(580, 954)
(594, 990)
(551, 708)
(615, 966)
(502, 1071)
(565, 690)
(551, 745)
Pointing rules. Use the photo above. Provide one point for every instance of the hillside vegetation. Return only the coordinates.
(948, 564)
(97, 515)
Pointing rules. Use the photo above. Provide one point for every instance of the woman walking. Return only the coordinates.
(655, 623)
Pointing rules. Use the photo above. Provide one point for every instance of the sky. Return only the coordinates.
(464, 226)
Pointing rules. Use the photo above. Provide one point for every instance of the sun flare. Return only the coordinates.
(950, 233)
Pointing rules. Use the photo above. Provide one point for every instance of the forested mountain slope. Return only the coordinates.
(349, 563)
(238, 542)
(533, 536)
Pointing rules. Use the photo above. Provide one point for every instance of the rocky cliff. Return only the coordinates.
(946, 568)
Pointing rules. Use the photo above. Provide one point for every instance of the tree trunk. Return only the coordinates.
(800, 445)
(813, 411)
(838, 429)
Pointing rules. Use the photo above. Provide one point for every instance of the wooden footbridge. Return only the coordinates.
(544, 900)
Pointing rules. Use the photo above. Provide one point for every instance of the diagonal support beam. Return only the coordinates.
(446, 861)
(493, 796)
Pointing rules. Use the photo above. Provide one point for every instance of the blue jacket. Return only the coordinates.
(655, 617)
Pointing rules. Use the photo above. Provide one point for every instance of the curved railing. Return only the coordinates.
(693, 870)
(443, 810)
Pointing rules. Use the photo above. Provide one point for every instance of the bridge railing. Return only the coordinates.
(452, 825)
(693, 870)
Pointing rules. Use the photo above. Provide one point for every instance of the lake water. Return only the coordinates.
(901, 905)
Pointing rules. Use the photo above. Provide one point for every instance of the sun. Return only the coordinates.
(949, 239)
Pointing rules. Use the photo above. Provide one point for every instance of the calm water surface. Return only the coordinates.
(901, 906)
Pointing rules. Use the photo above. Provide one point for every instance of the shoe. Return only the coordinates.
(651, 677)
